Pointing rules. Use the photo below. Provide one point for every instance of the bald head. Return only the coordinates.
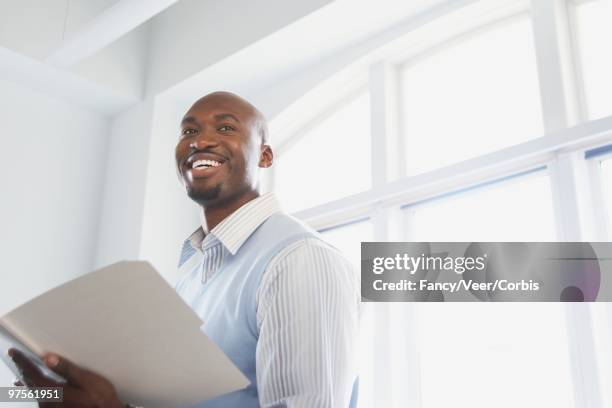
(222, 147)
(233, 101)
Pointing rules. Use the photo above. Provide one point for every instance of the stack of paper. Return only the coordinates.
(127, 324)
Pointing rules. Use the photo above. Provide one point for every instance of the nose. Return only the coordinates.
(203, 140)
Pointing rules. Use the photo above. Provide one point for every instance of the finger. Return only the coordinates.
(31, 379)
(22, 362)
(28, 381)
(32, 375)
(66, 368)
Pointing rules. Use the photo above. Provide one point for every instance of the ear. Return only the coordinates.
(266, 156)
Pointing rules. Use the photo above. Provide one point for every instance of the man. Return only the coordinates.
(280, 302)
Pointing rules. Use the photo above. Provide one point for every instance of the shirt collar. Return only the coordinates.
(235, 229)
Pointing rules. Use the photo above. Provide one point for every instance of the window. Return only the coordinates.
(473, 97)
(594, 32)
(519, 209)
(490, 346)
(502, 355)
(330, 160)
(347, 238)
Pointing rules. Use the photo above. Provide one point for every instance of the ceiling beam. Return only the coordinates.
(58, 83)
(116, 21)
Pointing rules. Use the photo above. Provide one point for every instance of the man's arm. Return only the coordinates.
(308, 318)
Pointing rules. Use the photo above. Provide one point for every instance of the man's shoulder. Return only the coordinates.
(283, 223)
(278, 231)
(305, 240)
(309, 249)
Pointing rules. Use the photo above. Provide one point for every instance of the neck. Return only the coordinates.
(215, 213)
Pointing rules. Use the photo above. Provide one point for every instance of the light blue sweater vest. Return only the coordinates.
(227, 305)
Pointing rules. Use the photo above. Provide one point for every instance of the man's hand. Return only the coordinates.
(84, 388)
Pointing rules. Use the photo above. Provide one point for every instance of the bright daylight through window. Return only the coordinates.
(473, 96)
(594, 33)
(518, 209)
(330, 160)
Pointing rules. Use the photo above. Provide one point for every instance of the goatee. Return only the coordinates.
(202, 197)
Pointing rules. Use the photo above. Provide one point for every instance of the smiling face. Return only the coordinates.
(220, 149)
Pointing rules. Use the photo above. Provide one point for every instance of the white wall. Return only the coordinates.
(52, 160)
(124, 186)
(169, 216)
(52, 167)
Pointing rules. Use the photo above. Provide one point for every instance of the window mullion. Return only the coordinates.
(565, 179)
(577, 73)
(384, 118)
(599, 216)
(387, 220)
(564, 184)
(559, 93)
(583, 358)
(552, 46)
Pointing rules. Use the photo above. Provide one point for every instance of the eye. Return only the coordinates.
(188, 132)
(226, 128)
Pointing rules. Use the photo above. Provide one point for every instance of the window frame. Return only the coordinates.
(593, 159)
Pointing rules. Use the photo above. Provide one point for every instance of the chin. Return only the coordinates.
(203, 196)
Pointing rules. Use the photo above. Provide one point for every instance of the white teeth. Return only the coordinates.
(205, 163)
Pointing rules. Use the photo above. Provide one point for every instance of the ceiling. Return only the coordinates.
(69, 40)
